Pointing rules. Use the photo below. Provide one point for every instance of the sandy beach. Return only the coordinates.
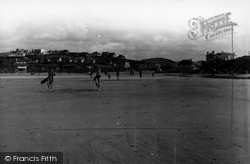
(161, 119)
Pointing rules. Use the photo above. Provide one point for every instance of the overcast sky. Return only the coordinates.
(136, 28)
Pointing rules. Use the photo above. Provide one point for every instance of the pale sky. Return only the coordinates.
(135, 28)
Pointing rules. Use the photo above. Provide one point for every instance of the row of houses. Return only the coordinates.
(60, 58)
(27, 52)
(65, 60)
(23, 52)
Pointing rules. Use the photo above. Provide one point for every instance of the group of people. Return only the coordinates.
(96, 78)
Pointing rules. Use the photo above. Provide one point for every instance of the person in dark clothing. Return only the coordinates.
(118, 75)
(140, 73)
(50, 81)
(108, 75)
(90, 74)
(97, 78)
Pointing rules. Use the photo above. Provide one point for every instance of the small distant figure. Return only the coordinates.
(131, 72)
(97, 78)
(153, 73)
(118, 75)
(90, 74)
(50, 81)
(140, 73)
(109, 76)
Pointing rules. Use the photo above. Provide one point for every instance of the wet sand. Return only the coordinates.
(165, 119)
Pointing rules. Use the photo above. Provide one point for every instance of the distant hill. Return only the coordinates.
(243, 58)
(161, 61)
(199, 63)
(243, 63)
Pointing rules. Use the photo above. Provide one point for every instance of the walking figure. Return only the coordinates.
(153, 73)
(50, 81)
(97, 78)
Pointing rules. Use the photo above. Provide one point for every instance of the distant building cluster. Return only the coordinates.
(211, 56)
(226, 62)
(24, 52)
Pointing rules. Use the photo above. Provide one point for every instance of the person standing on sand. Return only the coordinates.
(97, 78)
(118, 74)
(50, 81)
(140, 73)
(90, 73)
(108, 75)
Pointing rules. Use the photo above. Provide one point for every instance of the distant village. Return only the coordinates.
(39, 60)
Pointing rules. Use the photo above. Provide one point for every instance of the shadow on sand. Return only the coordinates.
(67, 90)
